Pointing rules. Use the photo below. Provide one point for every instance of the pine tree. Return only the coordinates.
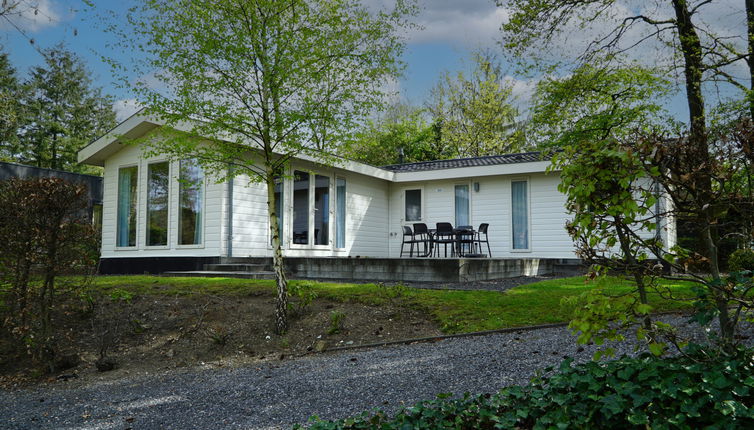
(10, 109)
(65, 112)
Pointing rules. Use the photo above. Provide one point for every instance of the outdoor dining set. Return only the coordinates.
(464, 241)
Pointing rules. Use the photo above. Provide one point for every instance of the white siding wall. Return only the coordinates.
(492, 204)
(214, 211)
(366, 217)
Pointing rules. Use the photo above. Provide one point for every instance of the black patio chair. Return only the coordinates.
(408, 238)
(421, 234)
(445, 236)
(478, 240)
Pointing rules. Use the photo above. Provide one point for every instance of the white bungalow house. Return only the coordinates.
(154, 222)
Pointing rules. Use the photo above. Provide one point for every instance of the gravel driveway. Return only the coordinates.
(278, 394)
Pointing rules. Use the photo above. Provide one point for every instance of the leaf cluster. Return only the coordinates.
(632, 393)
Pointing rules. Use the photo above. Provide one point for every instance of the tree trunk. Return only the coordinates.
(691, 48)
(281, 308)
(699, 153)
(45, 337)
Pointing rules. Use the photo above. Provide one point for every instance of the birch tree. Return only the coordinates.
(263, 80)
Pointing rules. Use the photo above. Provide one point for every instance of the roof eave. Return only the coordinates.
(473, 171)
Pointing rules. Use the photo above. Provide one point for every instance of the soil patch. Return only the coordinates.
(150, 333)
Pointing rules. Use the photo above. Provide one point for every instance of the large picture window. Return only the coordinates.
(300, 207)
(321, 210)
(462, 205)
(340, 214)
(520, 212)
(279, 200)
(191, 203)
(413, 205)
(126, 229)
(158, 180)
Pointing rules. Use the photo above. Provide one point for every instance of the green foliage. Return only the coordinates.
(120, 295)
(474, 113)
(10, 108)
(60, 112)
(694, 391)
(336, 322)
(402, 130)
(741, 259)
(305, 294)
(597, 103)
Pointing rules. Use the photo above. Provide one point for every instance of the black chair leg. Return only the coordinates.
(488, 248)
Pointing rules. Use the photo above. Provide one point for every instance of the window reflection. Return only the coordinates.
(321, 210)
(300, 207)
(157, 204)
(191, 196)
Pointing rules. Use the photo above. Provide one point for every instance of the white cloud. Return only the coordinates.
(124, 108)
(469, 23)
(522, 91)
(33, 15)
(461, 23)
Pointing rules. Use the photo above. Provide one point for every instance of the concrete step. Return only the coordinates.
(236, 267)
(221, 274)
(246, 260)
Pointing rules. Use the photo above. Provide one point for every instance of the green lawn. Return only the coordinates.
(455, 311)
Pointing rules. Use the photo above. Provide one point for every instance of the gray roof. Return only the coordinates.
(489, 160)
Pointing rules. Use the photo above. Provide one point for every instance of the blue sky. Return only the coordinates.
(450, 31)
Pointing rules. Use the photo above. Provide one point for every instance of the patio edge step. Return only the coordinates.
(220, 274)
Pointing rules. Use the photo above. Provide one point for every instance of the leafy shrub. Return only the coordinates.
(336, 322)
(305, 294)
(645, 392)
(45, 233)
(741, 259)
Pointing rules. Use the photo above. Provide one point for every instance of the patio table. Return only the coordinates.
(460, 233)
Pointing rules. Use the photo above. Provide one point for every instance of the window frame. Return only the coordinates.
(169, 204)
(512, 248)
(203, 225)
(330, 246)
(469, 187)
(345, 214)
(422, 215)
(137, 204)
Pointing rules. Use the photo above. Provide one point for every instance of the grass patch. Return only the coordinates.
(532, 304)
(455, 311)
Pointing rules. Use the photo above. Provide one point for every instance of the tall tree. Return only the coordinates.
(10, 109)
(64, 112)
(474, 112)
(264, 80)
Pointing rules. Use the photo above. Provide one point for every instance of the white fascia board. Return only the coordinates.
(354, 166)
(135, 126)
(474, 171)
(96, 152)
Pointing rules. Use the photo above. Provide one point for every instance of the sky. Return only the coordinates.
(449, 31)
